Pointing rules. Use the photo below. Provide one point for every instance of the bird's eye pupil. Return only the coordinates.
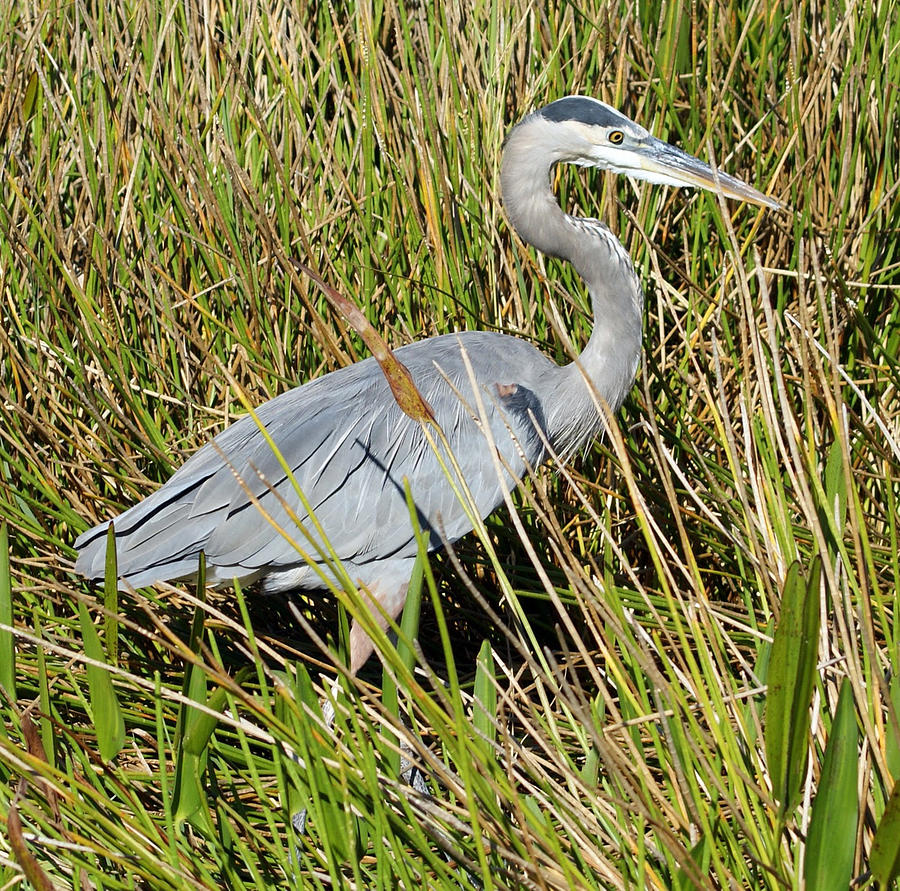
(616, 137)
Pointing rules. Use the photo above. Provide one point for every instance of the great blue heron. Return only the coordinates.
(348, 442)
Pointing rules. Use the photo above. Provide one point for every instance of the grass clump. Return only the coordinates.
(600, 671)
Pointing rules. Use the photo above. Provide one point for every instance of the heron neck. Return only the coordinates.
(609, 361)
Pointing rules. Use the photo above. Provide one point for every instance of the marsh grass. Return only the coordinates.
(162, 166)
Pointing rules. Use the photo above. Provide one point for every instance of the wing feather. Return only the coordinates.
(349, 447)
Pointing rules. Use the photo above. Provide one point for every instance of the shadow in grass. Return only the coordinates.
(272, 617)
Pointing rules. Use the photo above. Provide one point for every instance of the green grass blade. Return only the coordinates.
(194, 729)
(412, 609)
(7, 641)
(406, 656)
(111, 598)
(48, 736)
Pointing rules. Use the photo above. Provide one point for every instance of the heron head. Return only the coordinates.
(596, 135)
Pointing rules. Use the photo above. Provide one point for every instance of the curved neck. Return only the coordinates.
(609, 360)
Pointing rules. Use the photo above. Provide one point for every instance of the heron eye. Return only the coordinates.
(616, 137)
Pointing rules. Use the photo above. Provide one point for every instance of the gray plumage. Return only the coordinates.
(348, 442)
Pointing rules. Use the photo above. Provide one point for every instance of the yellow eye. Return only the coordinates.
(616, 137)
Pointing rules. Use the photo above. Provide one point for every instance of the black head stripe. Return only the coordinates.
(583, 110)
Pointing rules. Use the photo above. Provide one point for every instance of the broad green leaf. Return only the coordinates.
(892, 732)
(792, 673)
(836, 485)
(201, 728)
(111, 598)
(32, 92)
(409, 623)
(831, 839)
(835, 497)
(884, 860)
(485, 707)
(701, 854)
(107, 715)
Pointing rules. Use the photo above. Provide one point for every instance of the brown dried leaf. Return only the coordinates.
(36, 748)
(32, 869)
(398, 377)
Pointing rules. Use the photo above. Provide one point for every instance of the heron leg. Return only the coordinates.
(388, 590)
(391, 596)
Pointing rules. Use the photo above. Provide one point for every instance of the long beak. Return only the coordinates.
(661, 162)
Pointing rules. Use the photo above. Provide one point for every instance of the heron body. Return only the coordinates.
(349, 445)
